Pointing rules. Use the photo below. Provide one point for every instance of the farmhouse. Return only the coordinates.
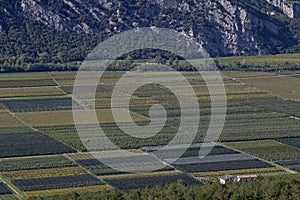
(227, 178)
(230, 178)
(250, 177)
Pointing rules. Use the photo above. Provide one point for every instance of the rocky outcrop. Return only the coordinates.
(222, 27)
(290, 8)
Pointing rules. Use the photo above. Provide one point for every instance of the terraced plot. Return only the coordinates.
(129, 183)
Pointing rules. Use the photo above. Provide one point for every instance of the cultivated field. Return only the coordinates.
(32, 92)
(43, 156)
(284, 86)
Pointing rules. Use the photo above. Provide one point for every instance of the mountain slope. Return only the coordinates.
(60, 31)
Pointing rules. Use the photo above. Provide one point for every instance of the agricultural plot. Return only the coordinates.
(129, 183)
(288, 107)
(287, 87)
(219, 159)
(35, 163)
(56, 182)
(258, 171)
(14, 80)
(255, 127)
(223, 166)
(30, 92)
(8, 120)
(60, 118)
(4, 189)
(293, 164)
(294, 142)
(43, 173)
(8, 197)
(26, 83)
(98, 165)
(267, 149)
(26, 142)
(68, 135)
(38, 105)
(66, 191)
(193, 151)
(236, 74)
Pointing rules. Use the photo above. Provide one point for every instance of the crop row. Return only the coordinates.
(210, 159)
(56, 182)
(190, 152)
(36, 105)
(223, 166)
(35, 163)
(26, 83)
(26, 92)
(43, 173)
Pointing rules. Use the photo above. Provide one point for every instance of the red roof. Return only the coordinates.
(248, 176)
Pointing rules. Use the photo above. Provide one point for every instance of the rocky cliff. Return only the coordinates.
(222, 27)
(290, 8)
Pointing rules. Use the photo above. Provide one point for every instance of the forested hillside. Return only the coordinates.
(57, 34)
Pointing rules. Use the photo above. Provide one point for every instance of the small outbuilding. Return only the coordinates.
(228, 178)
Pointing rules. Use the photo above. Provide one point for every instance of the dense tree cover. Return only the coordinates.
(273, 187)
(266, 67)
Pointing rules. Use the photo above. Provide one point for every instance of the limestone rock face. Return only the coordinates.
(290, 8)
(222, 27)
